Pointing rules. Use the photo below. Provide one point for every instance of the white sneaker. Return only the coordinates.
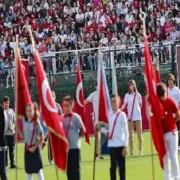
(52, 162)
(140, 153)
(131, 153)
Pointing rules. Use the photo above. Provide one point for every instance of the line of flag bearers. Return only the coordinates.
(66, 129)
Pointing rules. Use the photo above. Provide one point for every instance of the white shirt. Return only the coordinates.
(136, 115)
(103, 40)
(79, 17)
(129, 18)
(93, 98)
(6, 123)
(97, 16)
(55, 38)
(120, 135)
(162, 20)
(90, 14)
(12, 45)
(174, 94)
(177, 19)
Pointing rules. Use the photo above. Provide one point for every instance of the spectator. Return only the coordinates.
(174, 35)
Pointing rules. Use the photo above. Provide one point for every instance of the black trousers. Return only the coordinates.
(178, 127)
(116, 156)
(50, 156)
(3, 175)
(10, 140)
(73, 169)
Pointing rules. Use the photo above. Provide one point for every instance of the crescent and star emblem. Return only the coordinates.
(79, 87)
(45, 90)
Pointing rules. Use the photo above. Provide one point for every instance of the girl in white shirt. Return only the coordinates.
(133, 101)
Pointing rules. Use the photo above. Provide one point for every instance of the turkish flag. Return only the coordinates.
(156, 109)
(80, 109)
(21, 88)
(25, 63)
(50, 116)
(103, 94)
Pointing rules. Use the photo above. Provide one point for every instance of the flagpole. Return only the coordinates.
(16, 102)
(96, 132)
(152, 154)
(94, 161)
(143, 19)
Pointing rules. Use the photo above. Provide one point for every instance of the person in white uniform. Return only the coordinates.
(118, 138)
(93, 98)
(133, 101)
(174, 93)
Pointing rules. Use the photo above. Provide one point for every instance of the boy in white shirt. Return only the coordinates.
(118, 138)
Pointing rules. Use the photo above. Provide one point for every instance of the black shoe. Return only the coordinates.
(13, 166)
(102, 157)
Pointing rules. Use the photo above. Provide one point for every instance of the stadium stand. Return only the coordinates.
(65, 25)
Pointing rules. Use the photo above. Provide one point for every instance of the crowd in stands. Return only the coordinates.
(61, 25)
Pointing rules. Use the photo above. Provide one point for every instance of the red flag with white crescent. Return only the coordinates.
(22, 96)
(80, 109)
(156, 109)
(50, 116)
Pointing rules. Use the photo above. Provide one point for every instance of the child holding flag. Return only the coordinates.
(171, 115)
(174, 93)
(33, 138)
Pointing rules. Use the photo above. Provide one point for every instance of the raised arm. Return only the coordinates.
(86, 101)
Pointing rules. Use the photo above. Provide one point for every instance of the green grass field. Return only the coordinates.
(137, 167)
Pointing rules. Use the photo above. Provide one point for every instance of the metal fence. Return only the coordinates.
(129, 61)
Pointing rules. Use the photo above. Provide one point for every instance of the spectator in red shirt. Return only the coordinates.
(51, 25)
(171, 115)
(35, 25)
(42, 47)
(168, 26)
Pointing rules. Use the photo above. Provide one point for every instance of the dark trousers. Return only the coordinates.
(10, 140)
(116, 156)
(50, 156)
(178, 127)
(3, 175)
(73, 169)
